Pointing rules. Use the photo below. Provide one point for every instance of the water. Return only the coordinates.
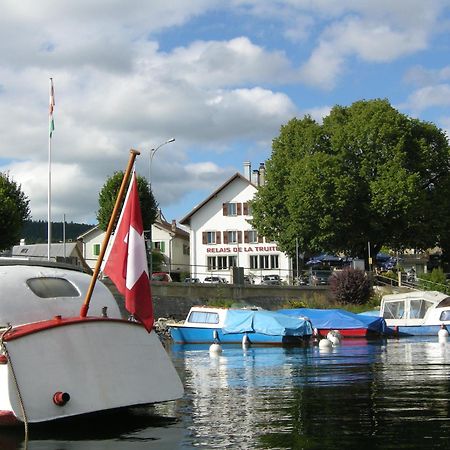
(390, 394)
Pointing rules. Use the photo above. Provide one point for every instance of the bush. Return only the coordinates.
(351, 286)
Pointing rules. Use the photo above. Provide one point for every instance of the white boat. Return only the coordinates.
(57, 364)
(416, 312)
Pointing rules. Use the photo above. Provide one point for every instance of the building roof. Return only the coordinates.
(40, 250)
(168, 227)
(237, 175)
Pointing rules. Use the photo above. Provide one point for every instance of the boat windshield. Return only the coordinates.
(203, 317)
(418, 308)
(51, 287)
(394, 310)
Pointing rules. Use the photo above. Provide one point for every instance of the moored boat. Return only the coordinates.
(230, 326)
(348, 324)
(56, 364)
(420, 313)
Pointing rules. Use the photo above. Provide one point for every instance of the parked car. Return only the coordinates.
(192, 280)
(320, 277)
(271, 280)
(164, 277)
(248, 280)
(214, 280)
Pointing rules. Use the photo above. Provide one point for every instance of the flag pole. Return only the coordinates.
(85, 306)
(51, 127)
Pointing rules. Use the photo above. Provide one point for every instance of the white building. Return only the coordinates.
(168, 238)
(221, 236)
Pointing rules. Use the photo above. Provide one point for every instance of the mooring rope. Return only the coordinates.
(19, 395)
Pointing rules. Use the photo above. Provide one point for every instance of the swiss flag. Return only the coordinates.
(126, 261)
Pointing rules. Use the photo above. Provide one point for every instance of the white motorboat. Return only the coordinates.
(416, 312)
(57, 364)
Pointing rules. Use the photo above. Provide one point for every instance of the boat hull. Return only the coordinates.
(100, 365)
(352, 332)
(415, 330)
(200, 335)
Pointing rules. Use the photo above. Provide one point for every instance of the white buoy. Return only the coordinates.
(335, 337)
(325, 343)
(245, 341)
(215, 349)
(443, 332)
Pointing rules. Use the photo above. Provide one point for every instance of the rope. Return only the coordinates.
(19, 395)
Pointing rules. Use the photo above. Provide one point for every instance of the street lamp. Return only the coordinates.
(152, 154)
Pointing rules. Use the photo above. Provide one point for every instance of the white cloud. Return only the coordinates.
(429, 96)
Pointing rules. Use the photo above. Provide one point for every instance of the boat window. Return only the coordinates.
(203, 317)
(394, 310)
(418, 308)
(445, 302)
(50, 287)
(445, 315)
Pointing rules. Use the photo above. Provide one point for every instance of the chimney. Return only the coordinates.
(255, 177)
(262, 174)
(248, 170)
(174, 225)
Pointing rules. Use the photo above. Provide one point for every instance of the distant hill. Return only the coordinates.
(35, 231)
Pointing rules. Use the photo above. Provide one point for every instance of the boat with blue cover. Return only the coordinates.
(230, 326)
(347, 323)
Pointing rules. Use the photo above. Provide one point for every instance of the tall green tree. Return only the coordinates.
(14, 211)
(108, 196)
(367, 174)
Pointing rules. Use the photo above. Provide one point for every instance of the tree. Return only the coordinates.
(367, 174)
(14, 211)
(108, 196)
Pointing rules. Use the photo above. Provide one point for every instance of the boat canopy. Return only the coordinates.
(265, 322)
(30, 293)
(337, 319)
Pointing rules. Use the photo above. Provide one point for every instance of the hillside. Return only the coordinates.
(35, 231)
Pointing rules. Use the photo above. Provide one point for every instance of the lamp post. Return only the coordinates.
(152, 154)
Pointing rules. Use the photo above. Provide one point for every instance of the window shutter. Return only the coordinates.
(239, 237)
(246, 240)
(245, 207)
(260, 239)
(239, 209)
(205, 237)
(225, 237)
(225, 209)
(218, 233)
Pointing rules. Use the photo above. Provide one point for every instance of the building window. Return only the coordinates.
(274, 262)
(185, 249)
(211, 263)
(210, 237)
(159, 245)
(222, 262)
(232, 209)
(264, 262)
(96, 249)
(253, 261)
(232, 237)
(253, 237)
(232, 261)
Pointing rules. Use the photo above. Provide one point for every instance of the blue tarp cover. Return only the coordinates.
(265, 322)
(335, 319)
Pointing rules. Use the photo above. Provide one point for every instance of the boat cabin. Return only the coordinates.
(416, 308)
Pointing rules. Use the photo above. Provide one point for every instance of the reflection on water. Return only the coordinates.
(362, 394)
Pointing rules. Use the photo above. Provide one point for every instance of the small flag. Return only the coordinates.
(51, 122)
(126, 262)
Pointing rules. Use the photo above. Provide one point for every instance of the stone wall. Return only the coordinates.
(173, 300)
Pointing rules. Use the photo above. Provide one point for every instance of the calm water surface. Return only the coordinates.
(362, 394)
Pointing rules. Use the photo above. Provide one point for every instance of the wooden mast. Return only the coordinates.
(85, 306)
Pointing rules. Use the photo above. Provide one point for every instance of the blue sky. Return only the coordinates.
(220, 77)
